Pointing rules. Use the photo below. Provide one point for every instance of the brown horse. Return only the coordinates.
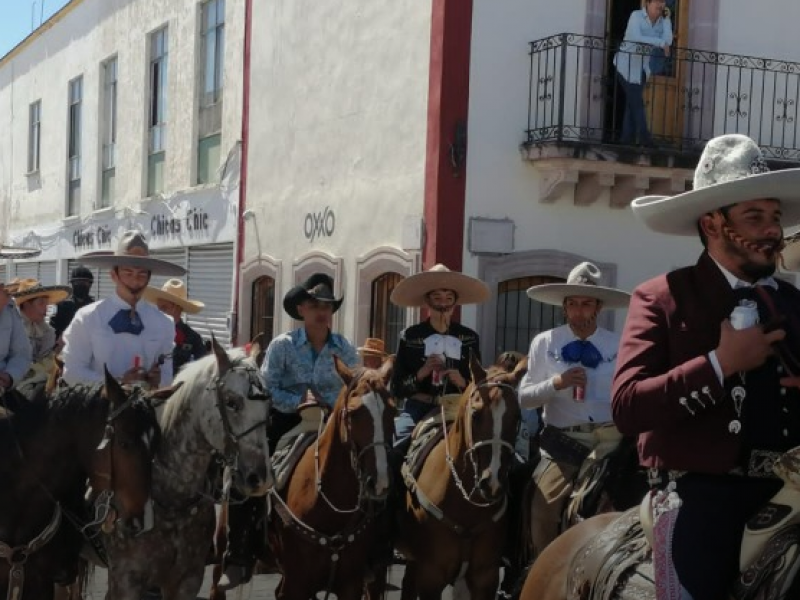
(454, 523)
(323, 523)
(47, 451)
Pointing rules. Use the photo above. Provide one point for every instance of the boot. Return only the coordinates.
(234, 576)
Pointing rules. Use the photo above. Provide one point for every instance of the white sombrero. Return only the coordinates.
(732, 169)
(581, 281)
(173, 291)
(413, 289)
(134, 252)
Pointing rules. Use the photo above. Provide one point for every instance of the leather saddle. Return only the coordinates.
(292, 445)
(428, 432)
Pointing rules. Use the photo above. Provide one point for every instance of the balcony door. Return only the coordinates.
(663, 96)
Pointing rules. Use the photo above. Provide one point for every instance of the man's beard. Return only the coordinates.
(750, 268)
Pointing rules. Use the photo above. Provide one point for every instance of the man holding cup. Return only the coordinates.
(569, 376)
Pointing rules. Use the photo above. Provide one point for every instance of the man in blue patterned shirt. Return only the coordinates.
(298, 367)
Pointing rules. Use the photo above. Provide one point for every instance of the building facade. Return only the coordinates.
(127, 115)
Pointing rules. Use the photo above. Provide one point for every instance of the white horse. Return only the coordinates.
(221, 405)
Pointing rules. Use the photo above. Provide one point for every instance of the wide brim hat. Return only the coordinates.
(317, 287)
(731, 169)
(132, 251)
(373, 347)
(581, 281)
(412, 290)
(173, 290)
(15, 252)
(23, 290)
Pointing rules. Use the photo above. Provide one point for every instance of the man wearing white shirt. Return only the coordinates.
(569, 375)
(133, 339)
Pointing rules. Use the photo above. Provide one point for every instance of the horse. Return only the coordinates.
(49, 446)
(610, 555)
(453, 524)
(323, 524)
(220, 407)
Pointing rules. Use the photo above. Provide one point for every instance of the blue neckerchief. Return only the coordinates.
(126, 321)
(582, 351)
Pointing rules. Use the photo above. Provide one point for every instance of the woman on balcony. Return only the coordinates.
(647, 28)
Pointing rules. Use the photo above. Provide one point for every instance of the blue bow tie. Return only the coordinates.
(582, 351)
(126, 321)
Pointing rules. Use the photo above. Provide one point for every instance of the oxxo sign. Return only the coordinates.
(319, 224)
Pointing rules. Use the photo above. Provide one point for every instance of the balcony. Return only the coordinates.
(576, 107)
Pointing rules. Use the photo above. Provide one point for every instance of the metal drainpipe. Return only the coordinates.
(240, 223)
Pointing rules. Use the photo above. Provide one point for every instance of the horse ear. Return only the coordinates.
(114, 391)
(223, 361)
(387, 368)
(478, 373)
(343, 370)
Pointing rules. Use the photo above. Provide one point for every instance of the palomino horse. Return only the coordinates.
(323, 523)
(47, 451)
(453, 525)
(221, 406)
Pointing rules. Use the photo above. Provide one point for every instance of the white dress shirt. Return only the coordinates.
(544, 363)
(90, 342)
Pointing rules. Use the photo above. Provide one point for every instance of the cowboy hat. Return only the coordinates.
(173, 291)
(581, 281)
(23, 290)
(412, 290)
(373, 347)
(317, 287)
(132, 251)
(732, 169)
(18, 253)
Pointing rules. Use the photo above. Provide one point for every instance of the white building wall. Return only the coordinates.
(500, 184)
(337, 126)
(75, 42)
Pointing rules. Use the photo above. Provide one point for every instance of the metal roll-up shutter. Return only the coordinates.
(47, 272)
(103, 285)
(26, 270)
(210, 280)
(173, 255)
(3, 272)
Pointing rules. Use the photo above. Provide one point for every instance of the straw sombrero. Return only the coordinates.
(732, 169)
(581, 281)
(412, 290)
(23, 290)
(132, 251)
(373, 347)
(173, 291)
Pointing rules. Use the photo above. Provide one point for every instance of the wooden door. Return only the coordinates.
(663, 99)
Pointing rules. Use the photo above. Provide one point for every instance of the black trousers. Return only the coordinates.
(708, 532)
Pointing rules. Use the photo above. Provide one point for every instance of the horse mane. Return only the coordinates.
(195, 377)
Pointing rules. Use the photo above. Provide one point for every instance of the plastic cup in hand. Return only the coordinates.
(436, 377)
(579, 393)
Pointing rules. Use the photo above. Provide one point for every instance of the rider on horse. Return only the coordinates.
(569, 375)
(32, 299)
(15, 347)
(132, 338)
(298, 368)
(81, 280)
(712, 396)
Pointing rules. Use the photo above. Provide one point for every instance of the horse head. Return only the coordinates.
(486, 427)
(120, 472)
(366, 410)
(239, 432)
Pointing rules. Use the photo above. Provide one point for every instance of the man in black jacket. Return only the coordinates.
(81, 280)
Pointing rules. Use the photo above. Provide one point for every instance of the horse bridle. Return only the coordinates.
(473, 447)
(232, 448)
(355, 461)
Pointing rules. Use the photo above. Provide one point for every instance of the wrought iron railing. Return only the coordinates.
(576, 96)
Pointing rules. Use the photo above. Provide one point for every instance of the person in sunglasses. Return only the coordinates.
(569, 377)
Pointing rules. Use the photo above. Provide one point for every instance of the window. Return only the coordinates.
(109, 133)
(34, 135)
(386, 320)
(157, 123)
(210, 105)
(262, 319)
(74, 146)
(519, 318)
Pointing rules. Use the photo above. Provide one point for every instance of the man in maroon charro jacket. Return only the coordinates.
(712, 404)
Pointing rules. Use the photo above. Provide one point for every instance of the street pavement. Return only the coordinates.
(261, 588)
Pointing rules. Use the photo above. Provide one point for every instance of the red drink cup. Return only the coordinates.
(137, 362)
(578, 393)
(436, 377)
